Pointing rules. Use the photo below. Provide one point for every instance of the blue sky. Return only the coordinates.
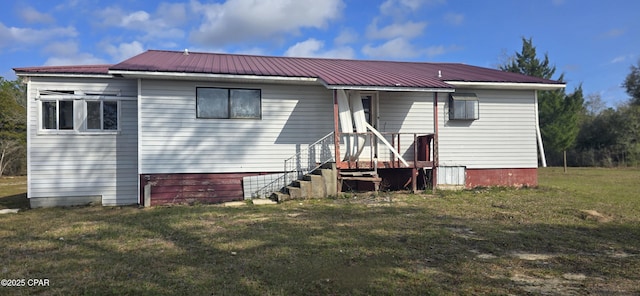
(591, 42)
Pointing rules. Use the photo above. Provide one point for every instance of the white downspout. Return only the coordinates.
(538, 134)
(27, 80)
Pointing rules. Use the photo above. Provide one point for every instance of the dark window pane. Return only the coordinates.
(49, 115)
(212, 103)
(65, 115)
(245, 103)
(458, 109)
(470, 111)
(93, 115)
(110, 115)
(366, 105)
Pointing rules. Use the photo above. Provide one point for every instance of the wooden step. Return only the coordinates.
(359, 173)
(369, 179)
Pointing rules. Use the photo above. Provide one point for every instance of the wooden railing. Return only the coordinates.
(415, 148)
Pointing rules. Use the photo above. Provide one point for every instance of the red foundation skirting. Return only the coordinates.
(194, 188)
(502, 177)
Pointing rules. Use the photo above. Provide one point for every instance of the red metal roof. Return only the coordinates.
(80, 69)
(334, 72)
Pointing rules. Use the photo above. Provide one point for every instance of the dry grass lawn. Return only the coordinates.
(577, 234)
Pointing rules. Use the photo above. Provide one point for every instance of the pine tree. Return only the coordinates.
(559, 113)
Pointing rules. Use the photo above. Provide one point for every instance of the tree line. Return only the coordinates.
(13, 128)
(579, 131)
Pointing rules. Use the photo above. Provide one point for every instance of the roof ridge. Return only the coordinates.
(291, 57)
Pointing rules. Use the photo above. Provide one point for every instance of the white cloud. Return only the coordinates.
(621, 58)
(163, 25)
(248, 20)
(124, 50)
(455, 19)
(61, 48)
(172, 14)
(407, 30)
(401, 48)
(397, 48)
(399, 8)
(136, 19)
(19, 37)
(436, 50)
(31, 15)
(558, 2)
(251, 51)
(77, 59)
(67, 53)
(346, 37)
(314, 48)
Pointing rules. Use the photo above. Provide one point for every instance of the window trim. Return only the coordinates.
(85, 127)
(80, 112)
(464, 97)
(57, 129)
(229, 110)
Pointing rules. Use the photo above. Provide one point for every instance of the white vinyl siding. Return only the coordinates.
(503, 137)
(173, 140)
(73, 164)
(404, 112)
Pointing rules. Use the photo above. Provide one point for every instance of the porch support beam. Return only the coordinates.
(436, 158)
(336, 136)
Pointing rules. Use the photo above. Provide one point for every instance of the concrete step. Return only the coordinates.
(305, 188)
(235, 204)
(280, 197)
(318, 189)
(263, 201)
(330, 179)
(295, 192)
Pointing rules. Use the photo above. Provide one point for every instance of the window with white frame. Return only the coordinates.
(102, 115)
(464, 106)
(223, 103)
(57, 115)
(96, 111)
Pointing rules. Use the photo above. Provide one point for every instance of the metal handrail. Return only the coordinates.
(300, 164)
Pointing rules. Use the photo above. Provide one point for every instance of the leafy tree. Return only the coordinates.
(632, 84)
(13, 128)
(559, 113)
(594, 105)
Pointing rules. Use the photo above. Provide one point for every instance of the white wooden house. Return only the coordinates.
(192, 126)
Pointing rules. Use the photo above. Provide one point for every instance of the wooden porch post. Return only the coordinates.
(414, 169)
(434, 170)
(336, 137)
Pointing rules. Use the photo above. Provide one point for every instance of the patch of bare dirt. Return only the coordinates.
(594, 216)
(532, 256)
(568, 284)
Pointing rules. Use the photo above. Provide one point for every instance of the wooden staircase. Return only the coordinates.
(365, 176)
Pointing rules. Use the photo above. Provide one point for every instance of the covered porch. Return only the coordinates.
(371, 136)
(381, 139)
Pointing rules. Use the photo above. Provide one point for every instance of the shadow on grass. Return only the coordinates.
(17, 201)
(318, 249)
